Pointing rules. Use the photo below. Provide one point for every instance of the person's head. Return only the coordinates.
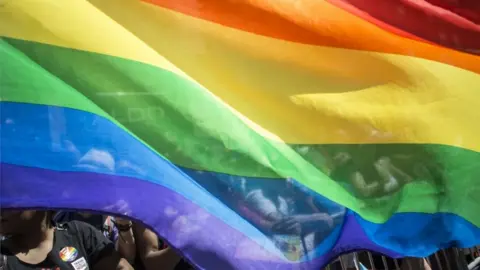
(15, 222)
(85, 214)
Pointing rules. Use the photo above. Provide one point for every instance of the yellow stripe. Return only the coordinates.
(300, 93)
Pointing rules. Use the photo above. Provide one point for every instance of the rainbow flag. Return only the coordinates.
(259, 134)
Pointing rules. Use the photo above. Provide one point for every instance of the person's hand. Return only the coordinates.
(288, 225)
(325, 218)
(122, 221)
(315, 218)
(376, 175)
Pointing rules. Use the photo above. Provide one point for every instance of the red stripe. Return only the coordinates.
(469, 9)
(421, 19)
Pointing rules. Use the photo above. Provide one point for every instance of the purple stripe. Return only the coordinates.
(202, 237)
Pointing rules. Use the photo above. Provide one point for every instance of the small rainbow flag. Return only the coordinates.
(251, 134)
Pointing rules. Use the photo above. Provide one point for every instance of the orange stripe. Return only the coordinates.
(316, 23)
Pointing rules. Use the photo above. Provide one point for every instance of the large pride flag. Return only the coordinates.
(251, 134)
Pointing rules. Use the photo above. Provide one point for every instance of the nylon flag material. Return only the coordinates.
(260, 134)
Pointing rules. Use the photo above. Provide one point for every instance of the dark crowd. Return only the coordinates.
(48, 240)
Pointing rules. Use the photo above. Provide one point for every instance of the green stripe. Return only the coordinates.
(183, 122)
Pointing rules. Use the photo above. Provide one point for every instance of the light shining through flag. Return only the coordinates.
(260, 134)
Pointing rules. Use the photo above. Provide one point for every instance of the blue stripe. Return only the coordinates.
(64, 139)
(421, 234)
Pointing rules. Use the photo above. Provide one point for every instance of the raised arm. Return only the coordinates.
(152, 256)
